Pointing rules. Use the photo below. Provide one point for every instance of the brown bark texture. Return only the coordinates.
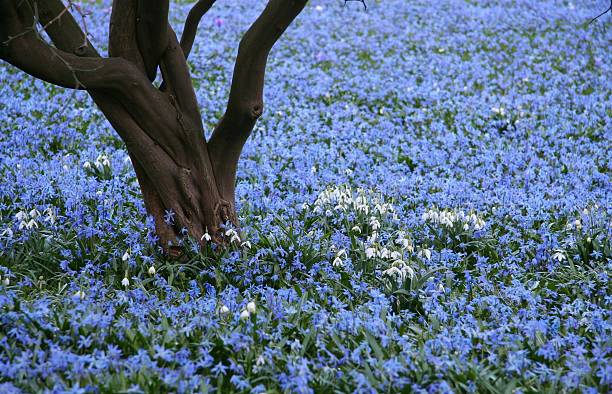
(179, 172)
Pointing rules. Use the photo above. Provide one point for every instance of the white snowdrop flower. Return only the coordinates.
(260, 360)
(31, 224)
(356, 229)
(578, 223)
(559, 256)
(34, 213)
(466, 227)
(8, 233)
(23, 225)
(393, 271)
(427, 254)
(396, 255)
(80, 295)
(246, 244)
(6, 281)
(348, 171)
(206, 237)
(408, 271)
(374, 223)
(125, 256)
(441, 288)
(244, 314)
(370, 253)
(251, 308)
(341, 252)
(328, 213)
(50, 215)
(319, 8)
(313, 170)
(87, 165)
(499, 110)
(125, 282)
(152, 270)
(224, 310)
(337, 262)
(384, 253)
(21, 215)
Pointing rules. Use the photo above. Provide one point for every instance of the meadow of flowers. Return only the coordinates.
(425, 206)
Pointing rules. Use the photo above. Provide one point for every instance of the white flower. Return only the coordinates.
(6, 281)
(224, 310)
(559, 256)
(246, 244)
(370, 253)
(337, 262)
(87, 165)
(356, 229)
(498, 110)
(152, 270)
(578, 223)
(384, 253)
(392, 271)
(427, 254)
(466, 227)
(125, 282)
(319, 8)
(374, 223)
(407, 271)
(8, 232)
(125, 256)
(32, 223)
(244, 314)
(206, 237)
(251, 307)
(396, 255)
(21, 215)
(79, 294)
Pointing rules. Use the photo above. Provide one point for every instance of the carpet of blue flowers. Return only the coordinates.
(426, 207)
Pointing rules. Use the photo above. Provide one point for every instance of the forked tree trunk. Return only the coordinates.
(187, 182)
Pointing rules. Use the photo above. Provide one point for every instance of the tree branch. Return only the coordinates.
(177, 81)
(23, 48)
(152, 32)
(191, 24)
(63, 29)
(122, 33)
(245, 103)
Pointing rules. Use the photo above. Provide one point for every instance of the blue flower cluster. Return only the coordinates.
(426, 207)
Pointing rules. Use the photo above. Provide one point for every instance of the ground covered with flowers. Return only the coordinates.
(426, 207)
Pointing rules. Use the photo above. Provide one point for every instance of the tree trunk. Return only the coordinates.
(187, 183)
(182, 195)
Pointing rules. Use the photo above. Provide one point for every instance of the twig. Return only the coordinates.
(602, 14)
